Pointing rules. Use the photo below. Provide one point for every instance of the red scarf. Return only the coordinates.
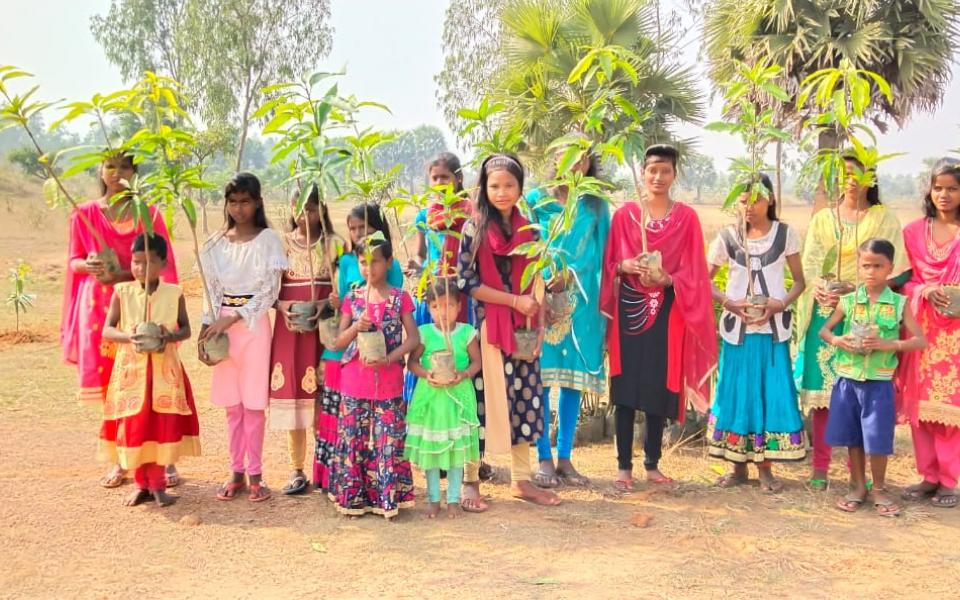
(438, 220)
(502, 320)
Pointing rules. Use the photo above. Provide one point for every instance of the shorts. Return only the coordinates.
(862, 415)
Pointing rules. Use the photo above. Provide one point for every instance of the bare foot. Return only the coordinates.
(136, 497)
(524, 490)
(433, 508)
(454, 511)
(471, 500)
(768, 483)
(163, 499)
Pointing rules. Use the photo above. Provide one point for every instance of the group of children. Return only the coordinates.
(653, 283)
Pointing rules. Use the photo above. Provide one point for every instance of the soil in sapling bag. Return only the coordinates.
(559, 305)
(328, 325)
(216, 347)
(953, 309)
(372, 345)
(149, 334)
(835, 286)
(111, 264)
(756, 305)
(527, 344)
(301, 313)
(860, 330)
(654, 262)
(442, 366)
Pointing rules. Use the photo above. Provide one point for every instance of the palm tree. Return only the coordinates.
(545, 41)
(910, 43)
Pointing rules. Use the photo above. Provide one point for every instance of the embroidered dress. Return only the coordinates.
(294, 381)
(573, 350)
(370, 472)
(148, 414)
(86, 300)
(442, 425)
(755, 416)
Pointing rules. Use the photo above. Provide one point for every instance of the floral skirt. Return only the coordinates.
(755, 416)
(370, 472)
(327, 416)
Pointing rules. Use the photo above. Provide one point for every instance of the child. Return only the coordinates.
(243, 266)
(755, 418)
(442, 425)
(362, 221)
(509, 389)
(862, 412)
(294, 355)
(370, 471)
(149, 418)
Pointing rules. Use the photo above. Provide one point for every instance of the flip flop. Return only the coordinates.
(887, 509)
(114, 479)
(662, 480)
(259, 492)
(944, 500)
(818, 485)
(919, 491)
(296, 485)
(545, 480)
(474, 505)
(229, 490)
(624, 485)
(848, 504)
(573, 478)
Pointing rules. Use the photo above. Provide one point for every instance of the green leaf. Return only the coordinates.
(581, 67)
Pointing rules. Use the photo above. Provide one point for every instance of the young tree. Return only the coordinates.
(698, 173)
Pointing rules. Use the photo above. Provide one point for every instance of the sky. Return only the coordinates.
(391, 50)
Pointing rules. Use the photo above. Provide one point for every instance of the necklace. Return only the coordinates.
(658, 225)
(936, 250)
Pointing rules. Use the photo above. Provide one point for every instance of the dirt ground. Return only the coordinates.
(65, 537)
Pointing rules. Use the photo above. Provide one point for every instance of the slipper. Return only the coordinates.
(730, 480)
(474, 505)
(543, 479)
(848, 504)
(887, 509)
(259, 492)
(624, 485)
(818, 485)
(662, 480)
(920, 491)
(297, 485)
(944, 500)
(114, 479)
(229, 490)
(572, 477)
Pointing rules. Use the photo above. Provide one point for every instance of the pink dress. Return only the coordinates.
(86, 301)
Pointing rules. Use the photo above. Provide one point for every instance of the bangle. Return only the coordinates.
(723, 304)
(513, 304)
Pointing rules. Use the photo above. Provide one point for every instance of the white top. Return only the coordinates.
(773, 272)
(246, 268)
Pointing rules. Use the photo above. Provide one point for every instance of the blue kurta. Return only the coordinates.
(573, 348)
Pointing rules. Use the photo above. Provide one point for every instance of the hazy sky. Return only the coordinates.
(391, 50)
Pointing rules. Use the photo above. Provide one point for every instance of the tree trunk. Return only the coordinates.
(826, 140)
(778, 183)
(699, 188)
(203, 217)
(244, 121)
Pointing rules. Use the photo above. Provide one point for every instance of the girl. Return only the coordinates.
(754, 417)
(243, 266)
(362, 221)
(442, 425)
(370, 471)
(434, 246)
(149, 418)
(862, 411)
(89, 287)
(295, 356)
(861, 217)
(662, 339)
(509, 391)
(929, 379)
(573, 355)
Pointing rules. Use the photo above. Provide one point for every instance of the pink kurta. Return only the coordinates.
(86, 301)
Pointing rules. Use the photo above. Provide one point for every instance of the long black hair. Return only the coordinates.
(326, 225)
(944, 166)
(771, 197)
(873, 192)
(125, 160)
(450, 162)
(245, 182)
(371, 214)
(486, 212)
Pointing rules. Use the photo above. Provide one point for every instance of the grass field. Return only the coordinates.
(65, 537)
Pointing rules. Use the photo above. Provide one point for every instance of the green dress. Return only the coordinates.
(443, 430)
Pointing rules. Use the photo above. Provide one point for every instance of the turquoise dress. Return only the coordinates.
(573, 350)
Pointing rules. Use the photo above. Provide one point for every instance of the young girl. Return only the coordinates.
(573, 353)
(371, 473)
(243, 265)
(149, 418)
(442, 425)
(755, 418)
(88, 287)
(435, 246)
(930, 379)
(509, 390)
(662, 339)
(362, 221)
(862, 411)
(295, 356)
(861, 217)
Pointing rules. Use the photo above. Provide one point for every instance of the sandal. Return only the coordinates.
(662, 480)
(818, 485)
(229, 490)
(887, 509)
(919, 491)
(474, 505)
(944, 499)
(730, 480)
(114, 478)
(259, 492)
(848, 504)
(572, 477)
(624, 485)
(296, 485)
(543, 479)
(173, 477)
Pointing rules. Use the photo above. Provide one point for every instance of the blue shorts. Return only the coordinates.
(862, 415)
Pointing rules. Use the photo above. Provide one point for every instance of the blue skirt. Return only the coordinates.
(755, 416)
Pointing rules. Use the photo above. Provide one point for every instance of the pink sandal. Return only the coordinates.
(259, 492)
(229, 490)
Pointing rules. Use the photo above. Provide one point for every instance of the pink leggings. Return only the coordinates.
(937, 448)
(821, 449)
(245, 430)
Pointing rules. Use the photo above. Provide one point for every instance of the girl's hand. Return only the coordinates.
(630, 266)
(433, 381)
(845, 342)
(363, 323)
(936, 296)
(334, 300)
(771, 308)
(283, 307)
(94, 266)
(825, 298)
(219, 326)
(873, 342)
(375, 364)
(737, 308)
(527, 306)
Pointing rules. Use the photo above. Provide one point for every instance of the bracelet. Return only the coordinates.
(723, 304)
(513, 304)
